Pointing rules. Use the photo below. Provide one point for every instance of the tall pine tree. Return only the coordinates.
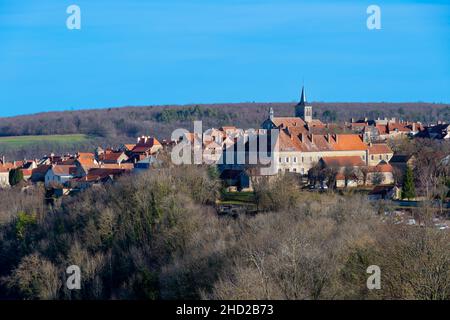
(408, 190)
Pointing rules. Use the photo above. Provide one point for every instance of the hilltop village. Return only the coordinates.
(324, 155)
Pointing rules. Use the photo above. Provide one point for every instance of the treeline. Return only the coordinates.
(162, 120)
(158, 236)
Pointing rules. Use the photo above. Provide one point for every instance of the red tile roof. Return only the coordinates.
(64, 170)
(349, 142)
(379, 148)
(382, 167)
(288, 122)
(353, 161)
(112, 156)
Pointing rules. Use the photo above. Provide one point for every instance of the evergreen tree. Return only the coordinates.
(408, 190)
(15, 176)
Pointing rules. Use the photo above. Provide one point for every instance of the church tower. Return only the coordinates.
(302, 110)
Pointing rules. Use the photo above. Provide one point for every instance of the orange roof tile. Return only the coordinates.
(379, 148)
(64, 170)
(288, 122)
(352, 161)
(382, 167)
(349, 142)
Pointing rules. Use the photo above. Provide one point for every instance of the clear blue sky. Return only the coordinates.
(190, 51)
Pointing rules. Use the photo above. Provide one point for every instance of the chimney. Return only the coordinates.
(352, 120)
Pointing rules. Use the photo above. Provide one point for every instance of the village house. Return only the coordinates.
(379, 152)
(146, 164)
(385, 193)
(59, 175)
(4, 177)
(401, 161)
(38, 174)
(112, 157)
(145, 146)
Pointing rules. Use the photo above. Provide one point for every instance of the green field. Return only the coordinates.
(24, 141)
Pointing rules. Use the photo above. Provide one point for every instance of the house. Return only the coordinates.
(236, 178)
(60, 175)
(90, 180)
(83, 162)
(38, 174)
(5, 168)
(146, 164)
(383, 172)
(112, 157)
(341, 166)
(146, 146)
(379, 152)
(400, 161)
(385, 193)
(4, 177)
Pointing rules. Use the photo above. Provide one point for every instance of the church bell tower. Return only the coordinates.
(302, 110)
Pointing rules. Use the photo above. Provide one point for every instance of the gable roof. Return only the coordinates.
(64, 170)
(282, 122)
(349, 142)
(379, 148)
(42, 169)
(352, 161)
(382, 167)
(112, 156)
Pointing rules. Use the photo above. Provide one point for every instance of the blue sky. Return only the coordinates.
(205, 51)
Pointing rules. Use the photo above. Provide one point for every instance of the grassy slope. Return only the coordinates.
(23, 141)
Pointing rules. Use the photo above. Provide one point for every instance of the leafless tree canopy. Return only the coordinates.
(158, 236)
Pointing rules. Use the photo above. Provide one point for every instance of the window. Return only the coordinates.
(381, 157)
(303, 159)
(372, 157)
(364, 157)
(295, 170)
(287, 159)
(280, 160)
(295, 159)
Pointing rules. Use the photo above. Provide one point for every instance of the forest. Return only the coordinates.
(158, 236)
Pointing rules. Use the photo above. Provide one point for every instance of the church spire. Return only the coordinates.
(303, 97)
(302, 110)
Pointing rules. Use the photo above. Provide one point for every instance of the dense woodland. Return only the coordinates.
(120, 125)
(158, 236)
